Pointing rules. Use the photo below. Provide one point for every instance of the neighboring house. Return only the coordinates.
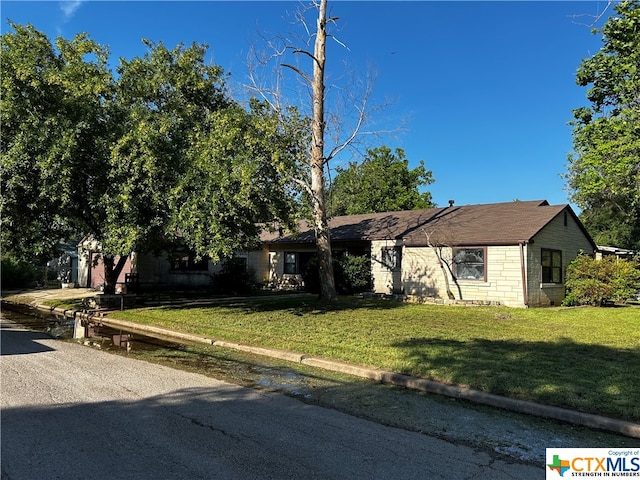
(513, 253)
(620, 253)
(177, 268)
(91, 268)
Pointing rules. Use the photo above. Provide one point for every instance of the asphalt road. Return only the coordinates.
(70, 412)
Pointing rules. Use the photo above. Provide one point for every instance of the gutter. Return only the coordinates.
(523, 272)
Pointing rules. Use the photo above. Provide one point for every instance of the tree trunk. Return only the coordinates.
(112, 271)
(445, 275)
(323, 240)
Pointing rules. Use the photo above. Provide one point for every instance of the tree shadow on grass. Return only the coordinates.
(303, 305)
(590, 378)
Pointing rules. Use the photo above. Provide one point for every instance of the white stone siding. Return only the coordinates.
(570, 240)
(423, 277)
(385, 280)
(276, 263)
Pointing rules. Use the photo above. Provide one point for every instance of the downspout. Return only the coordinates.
(524, 275)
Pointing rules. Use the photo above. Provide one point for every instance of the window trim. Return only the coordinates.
(296, 263)
(394, 261)
(548, 279)
(454, 250)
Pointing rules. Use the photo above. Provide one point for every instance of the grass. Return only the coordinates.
(67, 304)
(582, 358)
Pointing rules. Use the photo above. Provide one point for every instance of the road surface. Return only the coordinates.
(70, 412)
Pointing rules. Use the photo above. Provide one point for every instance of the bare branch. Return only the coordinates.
(305, 52)
(299, 72)
(301, 183)
(339, 43)
(594, 18)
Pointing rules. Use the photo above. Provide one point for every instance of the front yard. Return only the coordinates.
(585, 358)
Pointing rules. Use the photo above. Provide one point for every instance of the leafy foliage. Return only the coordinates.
(247, 183)
(157, 154)
(54, 112)
(234, 278)
(352, 274)
(604, 169)
(18, 274)
(383, 182)
(598, 281)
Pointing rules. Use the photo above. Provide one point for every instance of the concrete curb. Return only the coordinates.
(622, 427)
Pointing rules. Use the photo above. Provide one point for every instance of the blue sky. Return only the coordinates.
(483, 90)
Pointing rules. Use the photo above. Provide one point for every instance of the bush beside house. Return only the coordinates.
(598, 282)
(352, 274)
(234, 278)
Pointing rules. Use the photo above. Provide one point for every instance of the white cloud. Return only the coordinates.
(69, 7)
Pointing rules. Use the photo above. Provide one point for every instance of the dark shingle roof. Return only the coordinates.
(490, 224)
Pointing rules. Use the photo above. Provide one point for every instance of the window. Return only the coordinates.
(242, 262)
(186, 261)
(469, 263)
(551, 266)
(391, 258)
(290, 263)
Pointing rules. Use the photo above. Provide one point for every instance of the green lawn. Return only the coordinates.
(582, 358)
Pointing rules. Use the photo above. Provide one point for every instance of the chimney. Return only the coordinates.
(451, 202)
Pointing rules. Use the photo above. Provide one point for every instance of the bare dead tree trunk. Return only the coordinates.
(323, 239)
(319, 155)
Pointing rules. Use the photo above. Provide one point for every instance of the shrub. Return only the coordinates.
(352, 274)
(597, 282)
(17, 274)
(311, 276)
(234, 278)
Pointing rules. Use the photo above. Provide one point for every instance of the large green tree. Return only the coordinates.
(55, 113)
(157, 154)
(382, 182)
(604, 169)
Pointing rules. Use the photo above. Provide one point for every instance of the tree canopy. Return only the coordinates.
(382, 182)
(604, 169)
(157, 153)
(54, 112)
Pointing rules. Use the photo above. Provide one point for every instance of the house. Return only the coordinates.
(90, 266)
(177, 268)
(620, 253)
(514, 253)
